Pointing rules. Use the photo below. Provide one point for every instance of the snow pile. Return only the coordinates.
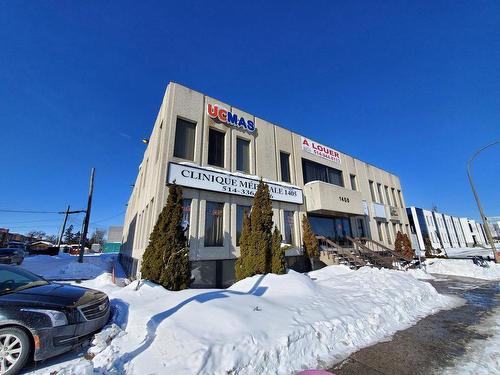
(65, 266)
(482, 356)
(420, 274)
(261, 325)
(464, 268)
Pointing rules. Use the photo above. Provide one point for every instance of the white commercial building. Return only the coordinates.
(435, 230)
(218, 153)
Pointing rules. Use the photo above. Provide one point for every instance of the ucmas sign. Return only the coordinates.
(227, 117)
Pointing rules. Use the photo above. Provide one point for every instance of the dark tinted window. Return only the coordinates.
(214, 215)
(216, 148)
(285, 166)
(289, 228)
(184, 139)
(353, 182)
(243, 155)
(319, 172)
(186, 210)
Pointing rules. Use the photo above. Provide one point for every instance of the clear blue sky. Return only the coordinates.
(412, 87)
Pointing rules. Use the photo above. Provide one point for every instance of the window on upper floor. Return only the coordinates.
(313, 171)
(372, 191)
(184, 139)
(394, 197)
(379, 190)
(216, 148)
(285, 166)
(387, 198)
(353, 182)
(243, 155)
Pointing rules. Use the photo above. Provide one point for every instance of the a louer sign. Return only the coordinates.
(225, 182)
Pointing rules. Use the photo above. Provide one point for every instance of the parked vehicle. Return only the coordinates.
(41, 319)
(12, 256)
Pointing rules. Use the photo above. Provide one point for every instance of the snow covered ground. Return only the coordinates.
(261, 325)
(470, 251)
(65, 266)
(482, 356)
(463, 268)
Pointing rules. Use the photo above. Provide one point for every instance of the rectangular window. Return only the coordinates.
(285, 166)
(389, 240)
(353, 182)
(379, 190)
(319, 172)
(379, 228)
(372, 191)
(394, 197)
(243, 155)
(214, 231)
(388, 199)
(184, 139)
(289, 237)
(216, 148)
(186, 211)
(241, 211)
(400, 198)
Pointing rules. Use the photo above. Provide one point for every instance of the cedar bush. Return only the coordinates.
(243, 262)
(257, 236)
(278, 262)
(310, 242)
(166, 258)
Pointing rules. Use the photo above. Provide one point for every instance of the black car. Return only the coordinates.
(11, 256)
(41, 319)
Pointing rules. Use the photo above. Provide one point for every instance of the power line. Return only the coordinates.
(35, 212)
(29, 221)
(108, 218)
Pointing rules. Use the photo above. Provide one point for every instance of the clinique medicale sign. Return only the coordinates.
(229, 183)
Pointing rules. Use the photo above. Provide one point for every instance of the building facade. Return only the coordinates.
(435, 230)
(218, 153)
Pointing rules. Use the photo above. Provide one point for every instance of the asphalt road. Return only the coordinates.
(435, 341)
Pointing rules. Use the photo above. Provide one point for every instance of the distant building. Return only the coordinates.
(40, 245)
(115, 234)
(435, 230)
(114, 241)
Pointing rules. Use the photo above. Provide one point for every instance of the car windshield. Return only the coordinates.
(14, 279)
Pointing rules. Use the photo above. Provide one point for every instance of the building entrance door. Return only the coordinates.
(335, 228)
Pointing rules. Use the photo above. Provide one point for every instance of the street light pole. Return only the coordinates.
(476, 196)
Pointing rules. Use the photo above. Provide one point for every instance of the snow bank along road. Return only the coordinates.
(261, 325)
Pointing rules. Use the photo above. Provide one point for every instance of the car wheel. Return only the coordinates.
(19, 262)
(15, 347)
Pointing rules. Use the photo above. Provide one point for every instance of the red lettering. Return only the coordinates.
(212, 110)
(223, 115)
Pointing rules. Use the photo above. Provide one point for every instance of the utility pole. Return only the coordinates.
(476, 196)
(87, 217)
(59, 240)
(66, 214)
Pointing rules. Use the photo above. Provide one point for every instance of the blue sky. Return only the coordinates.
(412, 87)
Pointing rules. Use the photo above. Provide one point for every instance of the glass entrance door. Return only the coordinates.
(335, 228)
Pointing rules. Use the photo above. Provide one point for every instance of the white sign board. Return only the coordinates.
(320, 150)
(229, 183)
